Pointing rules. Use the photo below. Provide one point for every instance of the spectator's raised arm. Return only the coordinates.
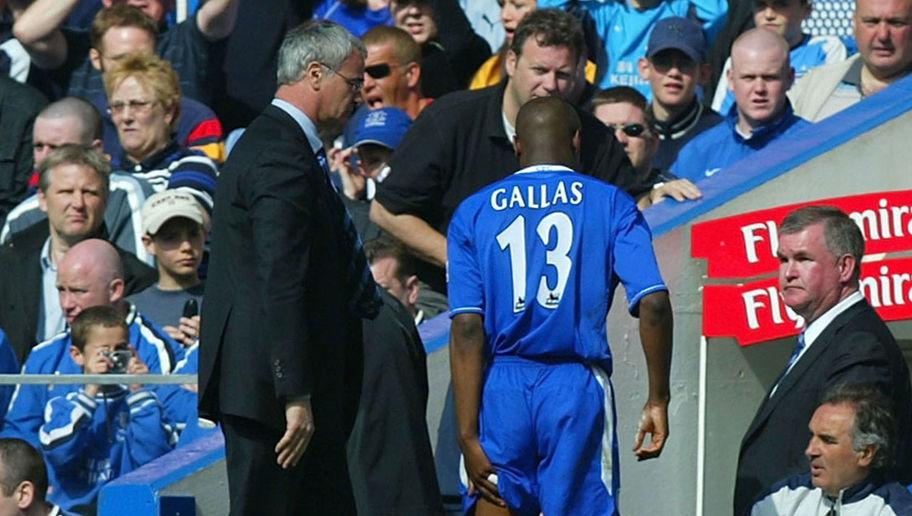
(38, 29)
(216, 18)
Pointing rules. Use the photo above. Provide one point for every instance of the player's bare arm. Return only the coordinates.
(467, 366)
(655, 336)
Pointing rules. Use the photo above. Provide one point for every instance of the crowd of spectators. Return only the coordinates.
(114, 119)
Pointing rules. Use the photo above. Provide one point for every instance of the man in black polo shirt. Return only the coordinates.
(463, 141)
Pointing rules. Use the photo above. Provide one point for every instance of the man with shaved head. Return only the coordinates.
(73, 191)
(517, 262)
(91, 273)
(75, 121)
(760, 76)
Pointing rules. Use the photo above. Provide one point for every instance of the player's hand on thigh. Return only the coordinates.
(299, 428)
(654, 422)
(482, 476)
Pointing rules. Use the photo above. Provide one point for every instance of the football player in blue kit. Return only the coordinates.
(533, 263)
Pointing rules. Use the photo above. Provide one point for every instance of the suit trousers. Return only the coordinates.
(257, 485)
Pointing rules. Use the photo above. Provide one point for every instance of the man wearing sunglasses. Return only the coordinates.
(463, 141)
(623, 110)
(392, 71)
(675, 66)
(760, 76)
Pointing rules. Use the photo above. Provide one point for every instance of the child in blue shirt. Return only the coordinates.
(100, 432)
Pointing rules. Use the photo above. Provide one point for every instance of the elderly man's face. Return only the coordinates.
(835, 464)
(760, 78)
(386, 81)
(883, 30)
(82, 285)
(342, 91)
(74, 201)
(811, 278)
(541, 71)
(629, 125)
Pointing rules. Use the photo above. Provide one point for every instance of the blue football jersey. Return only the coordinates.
(539, 255)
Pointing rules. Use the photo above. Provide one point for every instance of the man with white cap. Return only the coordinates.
(175, 227)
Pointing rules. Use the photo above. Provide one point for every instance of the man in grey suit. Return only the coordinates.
(843, 341)
(280, 350)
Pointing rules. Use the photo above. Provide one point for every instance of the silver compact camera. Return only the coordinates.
(119, 358)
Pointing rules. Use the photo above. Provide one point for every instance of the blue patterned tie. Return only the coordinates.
(798, 347)
(364, 298)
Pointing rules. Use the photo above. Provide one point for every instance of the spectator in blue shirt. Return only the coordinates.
(760, 76)
(99, 432)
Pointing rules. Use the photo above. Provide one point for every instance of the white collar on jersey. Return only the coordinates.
(544, 168)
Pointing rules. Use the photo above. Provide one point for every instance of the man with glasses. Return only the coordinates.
(675, 66)
(760, 76)
(287, 289)
(623, 110)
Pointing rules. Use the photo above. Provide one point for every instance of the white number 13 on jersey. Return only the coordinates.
(514, 238)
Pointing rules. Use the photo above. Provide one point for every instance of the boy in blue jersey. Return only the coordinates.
(533, 263)
(99, 432)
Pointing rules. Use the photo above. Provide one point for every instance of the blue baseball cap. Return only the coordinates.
(384, 126)
(678, 33)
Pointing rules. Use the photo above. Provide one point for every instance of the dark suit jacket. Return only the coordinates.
(20, 284)
(389, 452)
(275, 325)
(19, 104)
(855, 348)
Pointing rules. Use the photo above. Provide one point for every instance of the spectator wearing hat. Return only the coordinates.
(806, 52)
(675, 66)
(175, 227)
(361, 166)
(760, 75)
(624, 28)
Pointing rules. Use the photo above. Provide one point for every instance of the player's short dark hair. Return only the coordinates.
(875, 424)
(385, 246)
(104, 316)
(550, 28)
(841, 233)
(19, 462)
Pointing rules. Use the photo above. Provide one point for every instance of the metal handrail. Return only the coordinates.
(99, 379)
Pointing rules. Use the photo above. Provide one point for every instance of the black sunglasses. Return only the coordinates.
(378, 71)
(632, 130)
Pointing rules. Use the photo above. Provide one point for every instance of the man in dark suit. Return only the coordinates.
(843, 341)
(280, 359)
(72, 191)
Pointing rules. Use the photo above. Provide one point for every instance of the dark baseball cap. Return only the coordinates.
(678, 33)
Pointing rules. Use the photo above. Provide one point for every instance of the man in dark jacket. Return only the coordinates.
(73, 190)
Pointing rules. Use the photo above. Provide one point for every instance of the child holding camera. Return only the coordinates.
(99, 432)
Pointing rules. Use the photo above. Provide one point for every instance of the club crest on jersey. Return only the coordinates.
(537, 196)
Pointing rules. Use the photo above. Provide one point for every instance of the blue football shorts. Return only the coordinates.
(549, 431)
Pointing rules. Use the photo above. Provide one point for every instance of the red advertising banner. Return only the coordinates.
(745, 245)
(754, 312)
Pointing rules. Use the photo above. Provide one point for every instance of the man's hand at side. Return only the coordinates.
(299, 428)
(479, 469)
(654, 422)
